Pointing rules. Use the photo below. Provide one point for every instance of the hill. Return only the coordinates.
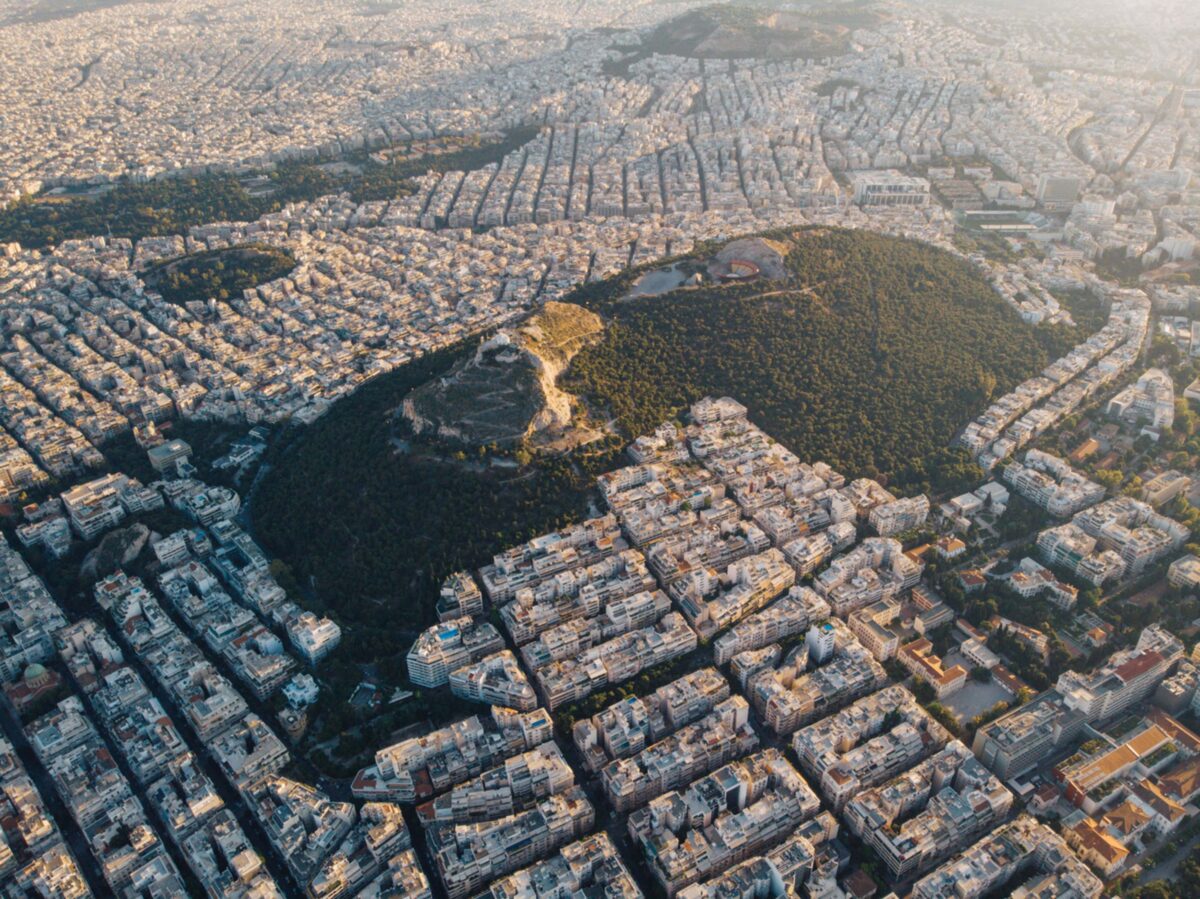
(219, 274)
(369, 520)
(869, 353)
(506, 393)
(760, 31)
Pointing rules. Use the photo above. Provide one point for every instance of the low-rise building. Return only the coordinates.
(722, 819)
(1029, 579)
(919, 658)
(921, 817)
(314, 638)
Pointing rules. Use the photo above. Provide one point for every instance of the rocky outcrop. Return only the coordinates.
(507, 392)
(116, 549)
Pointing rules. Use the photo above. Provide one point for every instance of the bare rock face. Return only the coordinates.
(506, 393)
(116, 549)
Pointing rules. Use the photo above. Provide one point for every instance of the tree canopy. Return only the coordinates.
(870, 357)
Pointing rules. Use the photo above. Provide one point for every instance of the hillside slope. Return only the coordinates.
(870, 354)
(506, 393)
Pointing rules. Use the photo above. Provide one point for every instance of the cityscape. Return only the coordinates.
(599, 448)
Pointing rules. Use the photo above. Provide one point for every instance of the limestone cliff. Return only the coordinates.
(506, 393)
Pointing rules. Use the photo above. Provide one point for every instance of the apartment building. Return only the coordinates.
(742, 809)
(790, 615)
(496, 679)
(468, 858)
(423, 766)
(449, 645)
(867, 743)
(504, 790)
(829, 671)
(691, 751)
(937, 808)
(1052, 484)
(1022, 851)
(629, 725)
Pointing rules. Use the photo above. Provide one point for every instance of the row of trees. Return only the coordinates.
(171, 206)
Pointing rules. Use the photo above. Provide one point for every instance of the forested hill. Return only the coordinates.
(871, 355)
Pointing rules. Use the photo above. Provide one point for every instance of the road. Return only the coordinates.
(45, 786)
(232, 799)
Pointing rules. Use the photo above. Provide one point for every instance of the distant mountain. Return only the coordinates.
(741, 31)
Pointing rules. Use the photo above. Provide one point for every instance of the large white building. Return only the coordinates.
(889, 188)
(450, 645)
(1047, 481)
(1151, 401)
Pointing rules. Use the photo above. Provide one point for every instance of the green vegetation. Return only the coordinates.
(383, 182)
(130, 210)
(871, 357)
(992, 246)
(1115, 265)
(172, 205)
(370, 530)
(830, 86)
(221, 273)
(1086, 309)
(642, 685)
(744, 31)
(1186, 882)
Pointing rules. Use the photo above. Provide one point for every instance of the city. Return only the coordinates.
(599, 448)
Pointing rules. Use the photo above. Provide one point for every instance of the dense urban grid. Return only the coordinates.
(689, 662)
